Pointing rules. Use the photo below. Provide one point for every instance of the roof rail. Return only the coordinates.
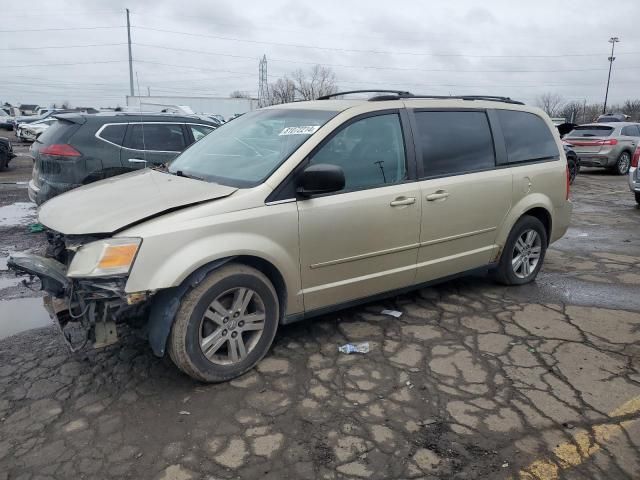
(338, 94)
(489, 98)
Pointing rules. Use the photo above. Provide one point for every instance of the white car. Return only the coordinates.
(29, 131)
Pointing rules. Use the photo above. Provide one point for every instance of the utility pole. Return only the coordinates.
(148, 91)
(130, 59)
(612, 41)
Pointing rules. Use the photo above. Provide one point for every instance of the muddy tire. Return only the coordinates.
(622, 165)
(225, 325)
(523, 253)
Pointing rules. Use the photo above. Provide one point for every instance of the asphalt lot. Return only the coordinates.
(474, 380)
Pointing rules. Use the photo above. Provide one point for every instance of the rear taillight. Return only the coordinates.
(611, 141)
(60, 150)
(636, 158)
(566, 197)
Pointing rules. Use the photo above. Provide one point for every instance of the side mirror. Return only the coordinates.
(320, 178)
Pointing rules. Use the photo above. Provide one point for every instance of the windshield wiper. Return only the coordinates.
(180, 173)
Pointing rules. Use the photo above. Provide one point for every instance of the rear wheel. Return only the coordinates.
(225, 325)
(637, 198)
(523, 252)
(622, 164)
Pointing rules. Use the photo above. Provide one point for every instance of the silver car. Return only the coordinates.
(608, 145)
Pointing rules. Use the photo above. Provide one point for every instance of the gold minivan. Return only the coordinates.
(296, 210)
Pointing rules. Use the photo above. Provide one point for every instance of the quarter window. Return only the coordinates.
(370, 151)
(454, 142)
(168, 137)
(630, 131)
(526, 136)
(199, 131)
(113, 133)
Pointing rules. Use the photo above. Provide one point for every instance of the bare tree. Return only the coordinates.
(65, 104)
(592, 112)
(632, 108)
(317, 82)
(282, 90)
(551, 103)
(239, 94)
(572, 111)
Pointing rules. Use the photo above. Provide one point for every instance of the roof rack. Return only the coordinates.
(489, 98)
(401, 94)
(338, 94)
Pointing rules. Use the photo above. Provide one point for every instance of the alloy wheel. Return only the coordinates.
(526, 253)
(232, 326)
(624, 162)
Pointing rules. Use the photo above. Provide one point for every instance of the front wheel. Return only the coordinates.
(225, 325)
(622, 164)
(523, 252)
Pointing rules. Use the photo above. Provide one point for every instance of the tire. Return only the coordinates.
(193, 334)
(622, 165)
(637, 198)
(505, 273)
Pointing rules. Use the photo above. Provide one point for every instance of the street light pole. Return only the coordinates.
(612, 41)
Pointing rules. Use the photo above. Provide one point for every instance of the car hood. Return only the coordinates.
(115, 203)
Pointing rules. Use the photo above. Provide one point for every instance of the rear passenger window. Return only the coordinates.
(113, 133)
(454, 142)
(526, 136)
(167, 137)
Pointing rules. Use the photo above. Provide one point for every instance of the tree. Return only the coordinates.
(573, 111)
(320, 81)
(282, 90)
(239, 94)
(551, 103)
(65, 104)
(632, 108)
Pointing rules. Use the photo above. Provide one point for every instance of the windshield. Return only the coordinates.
(591, 131)
(246, 150)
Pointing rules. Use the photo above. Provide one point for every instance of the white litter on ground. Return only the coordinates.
(393, 313)
(19, 213)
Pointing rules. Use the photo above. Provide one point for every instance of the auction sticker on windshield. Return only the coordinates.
(308, 130)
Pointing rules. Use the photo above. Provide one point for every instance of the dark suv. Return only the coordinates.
(80, 148)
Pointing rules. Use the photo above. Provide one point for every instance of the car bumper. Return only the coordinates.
(634, 179)
(594, 160)
(47, 190)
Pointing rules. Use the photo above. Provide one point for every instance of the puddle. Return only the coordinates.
(22, 314)
(19, 213)
(6, 282)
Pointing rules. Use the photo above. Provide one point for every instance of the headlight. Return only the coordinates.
(105, 258)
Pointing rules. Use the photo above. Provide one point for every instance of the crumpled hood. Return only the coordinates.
(117, 202)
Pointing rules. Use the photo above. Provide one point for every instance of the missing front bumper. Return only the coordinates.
(86, 310)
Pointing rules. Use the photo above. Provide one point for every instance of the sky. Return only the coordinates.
(76, 50)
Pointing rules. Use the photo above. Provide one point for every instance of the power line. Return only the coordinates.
(336, 49)
(58, 29)
(372, 67)
(63, 46)
(61, 64)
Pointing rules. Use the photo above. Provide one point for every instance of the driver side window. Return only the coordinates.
(370, 151)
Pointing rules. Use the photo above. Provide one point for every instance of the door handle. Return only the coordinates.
(400, 201)
(439, 195)
(137, 160)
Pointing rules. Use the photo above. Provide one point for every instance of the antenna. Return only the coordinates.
(263, 85)
(144, 144)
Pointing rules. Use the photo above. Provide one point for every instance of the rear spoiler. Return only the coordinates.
(71, 117)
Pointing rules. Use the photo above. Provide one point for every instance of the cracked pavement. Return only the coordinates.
(474, 380)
